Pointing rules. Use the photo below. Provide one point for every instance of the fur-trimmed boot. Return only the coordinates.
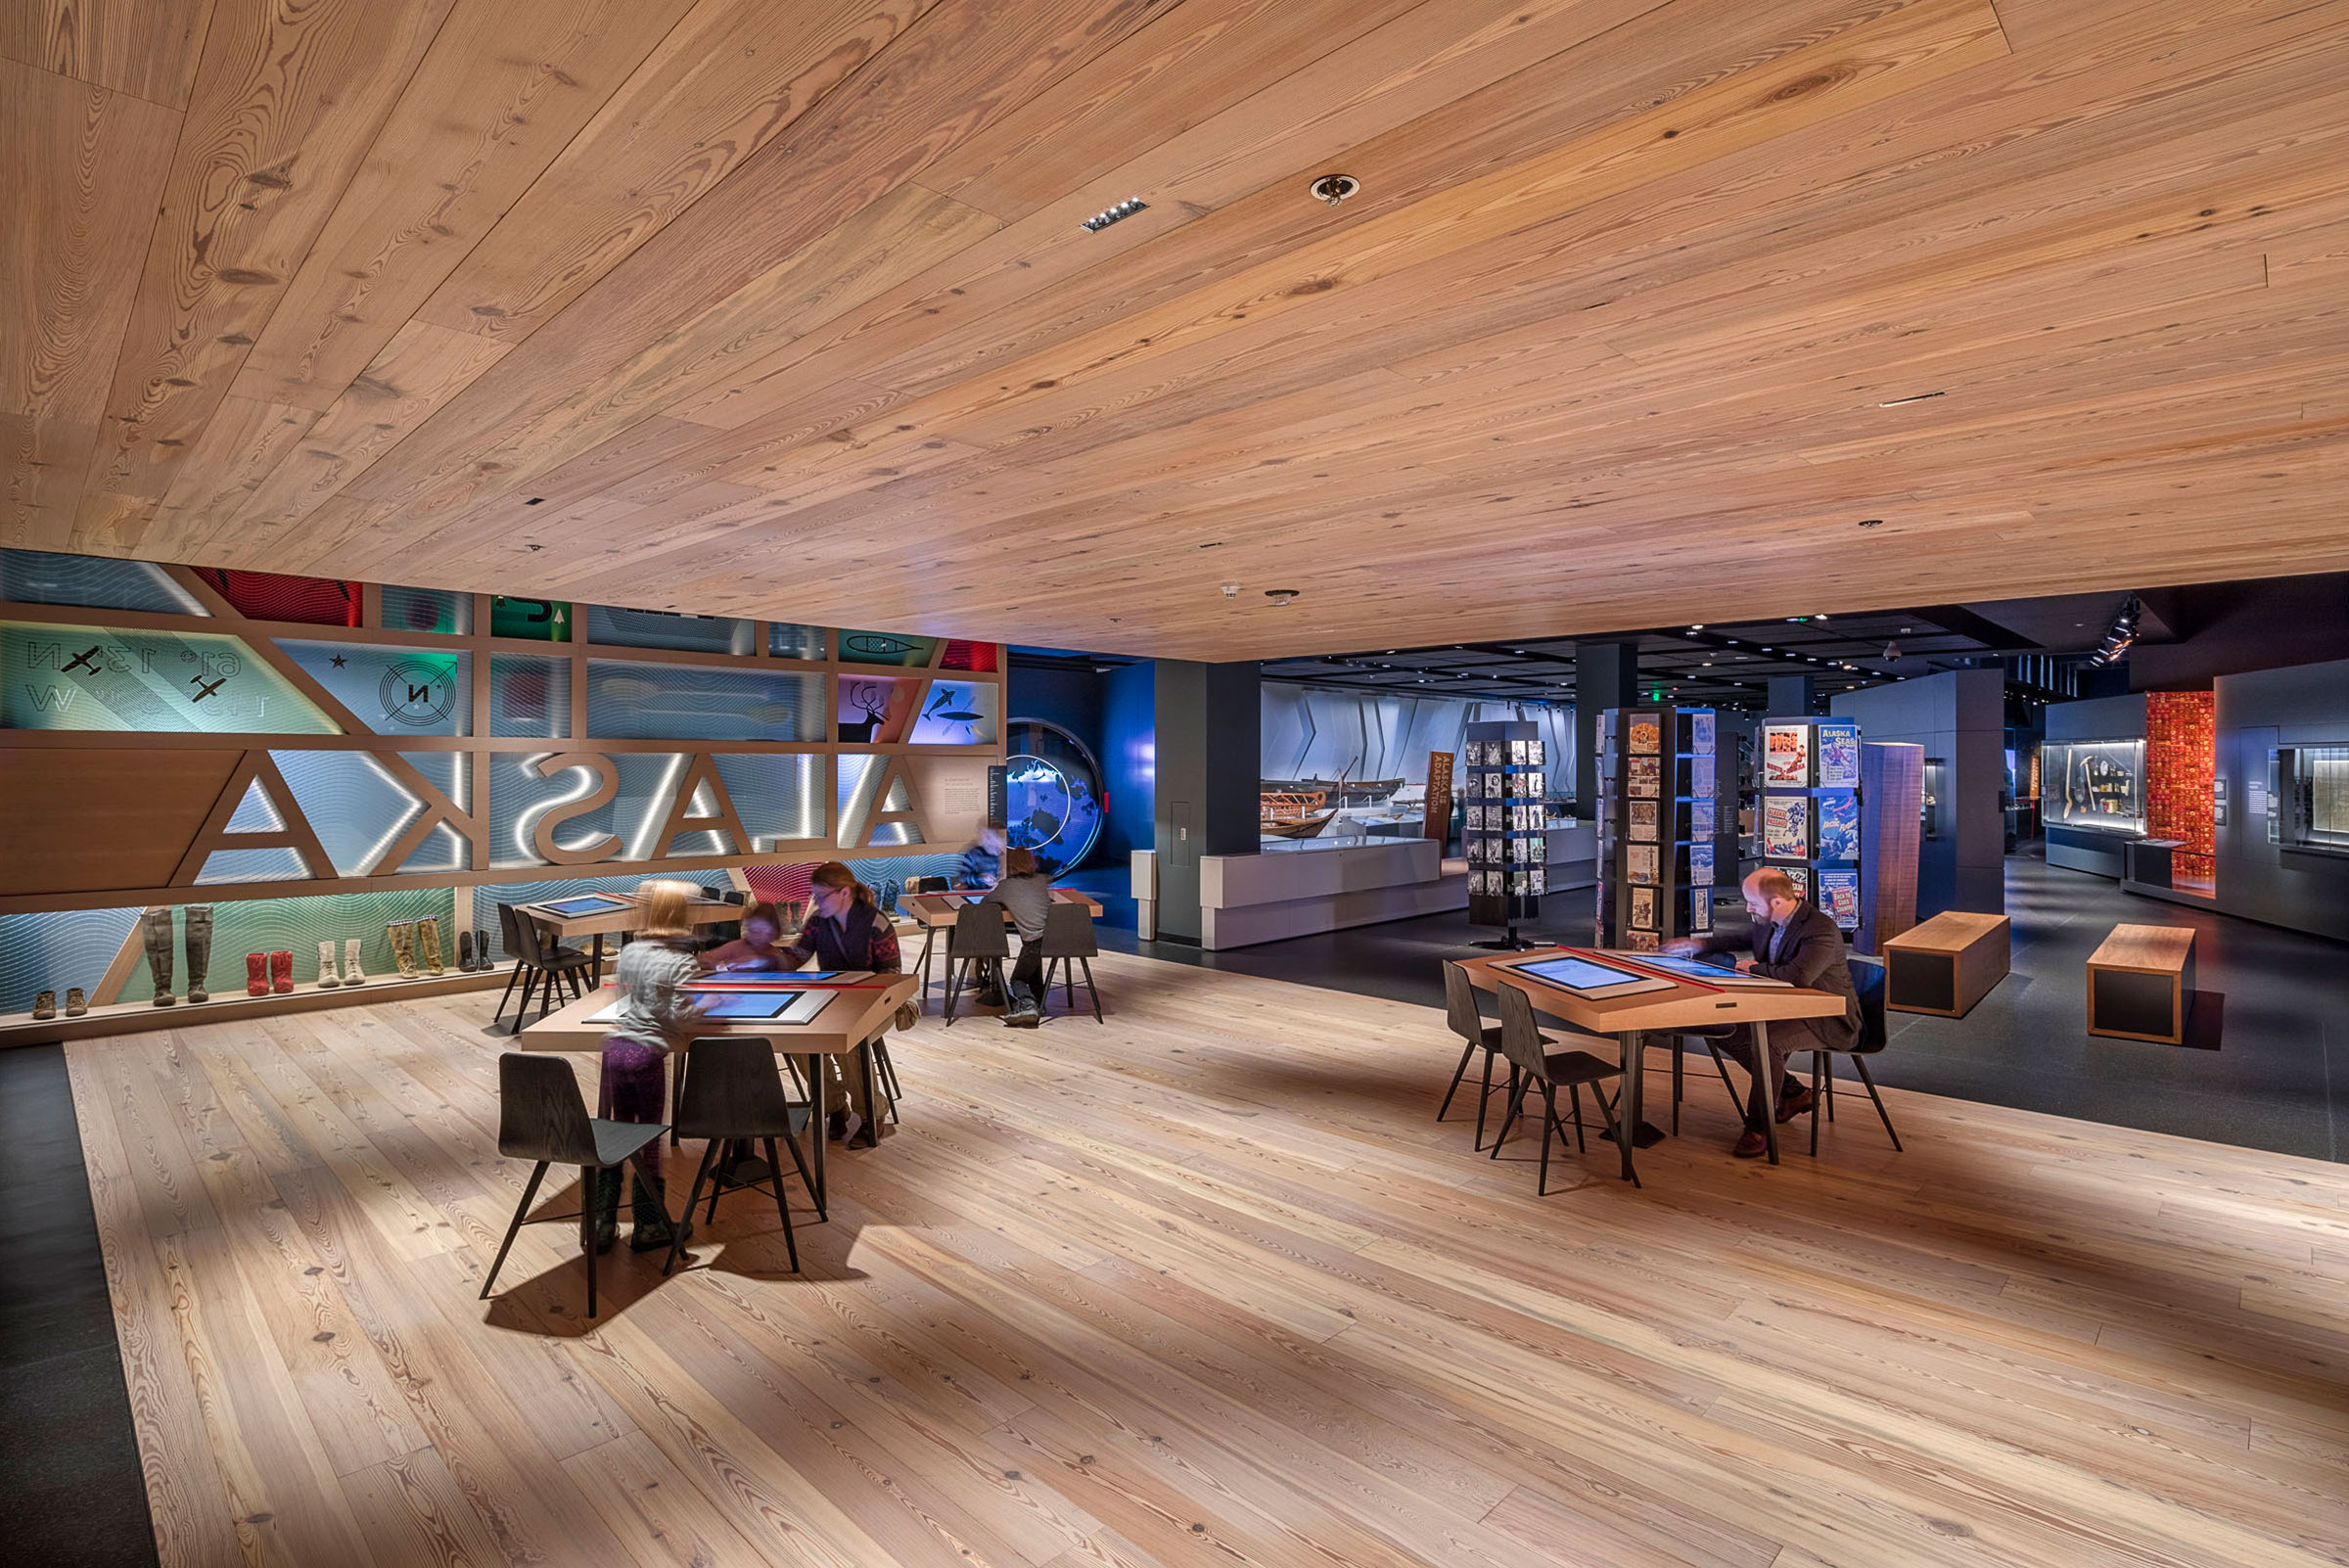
(257, 974)
(326, 965)
(200, 949)
(428, 937)
(352, 974)
(404, 947)
(281, 972)
(155, 934)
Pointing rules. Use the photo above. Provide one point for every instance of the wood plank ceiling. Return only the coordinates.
(725, 305)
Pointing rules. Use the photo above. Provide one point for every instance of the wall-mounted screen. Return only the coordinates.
(2096, 784)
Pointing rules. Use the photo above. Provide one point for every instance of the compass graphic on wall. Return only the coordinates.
(418, 694)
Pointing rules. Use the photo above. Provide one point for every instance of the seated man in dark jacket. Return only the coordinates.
(1793, 940)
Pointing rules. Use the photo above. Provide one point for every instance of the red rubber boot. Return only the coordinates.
(281, 972)
(257, 974)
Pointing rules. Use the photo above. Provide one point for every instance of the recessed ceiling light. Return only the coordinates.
(1914, 397)
(1113, 214)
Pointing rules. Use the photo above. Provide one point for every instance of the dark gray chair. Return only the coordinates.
(541, 1116)
(1868, 980)
(543, 962)
(1068, 940)
(725, 931)
(1532, 1064)
(977, 943)
(735, 1094)
(1467, 1021)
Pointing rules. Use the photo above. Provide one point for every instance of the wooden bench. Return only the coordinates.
(2140, 984)
(1946, 964)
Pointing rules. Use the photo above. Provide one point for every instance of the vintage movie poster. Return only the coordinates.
(1700, 732)
(1640, 862)
(1645, 735)
(1800, 876)
(1839, 896)
(1642, 941)
(1838, 831)
(1700, 912)
(1700, 818)
(1787, 827)
(1700, 779)
(1785, 755)
(1646, 778)
(1643, 909)
(1643, 819)
(1839, 755)
(1700, 864)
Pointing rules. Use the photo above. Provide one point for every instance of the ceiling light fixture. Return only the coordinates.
(1916, 397)
(1871, 521)
(1281, 596)
(1113, 214)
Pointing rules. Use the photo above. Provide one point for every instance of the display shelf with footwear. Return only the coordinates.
(80, 1018)
(326, 964)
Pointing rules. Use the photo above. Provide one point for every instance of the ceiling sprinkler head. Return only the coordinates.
(1335, 188)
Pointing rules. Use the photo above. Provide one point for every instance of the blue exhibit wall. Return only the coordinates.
(1129, 756)
(1112, 712)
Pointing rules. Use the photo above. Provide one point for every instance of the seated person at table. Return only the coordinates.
(983, 862)
(755, 948)
(845, 930)
(1794, 941)
(1025, 895)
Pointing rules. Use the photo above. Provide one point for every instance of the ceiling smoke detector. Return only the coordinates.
(1231, 590)
(1334, 188)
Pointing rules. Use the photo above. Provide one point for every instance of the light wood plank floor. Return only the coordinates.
(1208, 1286)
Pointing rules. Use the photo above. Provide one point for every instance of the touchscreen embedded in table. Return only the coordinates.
(592, 903)
(1577, 974)
(739, 1004)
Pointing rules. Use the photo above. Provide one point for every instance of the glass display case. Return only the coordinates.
(2311, 805)
(2094, 784)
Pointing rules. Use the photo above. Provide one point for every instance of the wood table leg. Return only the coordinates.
(872, 1113)
(1765, 1081)
(1627, 1123)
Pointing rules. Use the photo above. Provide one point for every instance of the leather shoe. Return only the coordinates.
(1795, 1104)
(1750, 1145)
(836, 1126)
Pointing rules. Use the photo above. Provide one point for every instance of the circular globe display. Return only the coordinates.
(1053, 798)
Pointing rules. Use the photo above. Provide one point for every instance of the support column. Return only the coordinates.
(1790, 696)
(1210, 722)
(1606, 675)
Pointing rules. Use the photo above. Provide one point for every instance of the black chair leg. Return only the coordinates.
(529, 980)
(676, 1232)
(805, 1179)
(1457, 1074)
(1861, 1062)
(1830, 1087)
(529, 1190)
(506, 995)
(1516, 1099)
(1614, 1126)
(1550, 1123)
(1092, 990)
(588, 1216)
(1819, 1061)
(1574, 1097)
(1678, 1052)
(1483, 1096)
(783, 1205)
(953, 989)
(676, 1096)
(1723, 1068)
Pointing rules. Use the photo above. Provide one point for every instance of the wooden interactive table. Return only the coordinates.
(626, 917)
(937, 911)
(858, 1009)
(1687, 1006)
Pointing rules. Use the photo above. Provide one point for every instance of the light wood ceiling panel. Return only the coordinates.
(735, 307)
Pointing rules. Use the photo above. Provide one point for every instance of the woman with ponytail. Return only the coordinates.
(845, 930)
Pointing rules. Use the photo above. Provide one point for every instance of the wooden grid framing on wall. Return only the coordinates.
(69, 876)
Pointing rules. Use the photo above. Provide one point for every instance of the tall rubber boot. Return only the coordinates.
(465, 953)
(404, 947)
(155, 932)
(200, 949)
(481, 949)
(428, 936)
(352, 974)
(326, 965)
(607, 1208)
(649, 1225)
